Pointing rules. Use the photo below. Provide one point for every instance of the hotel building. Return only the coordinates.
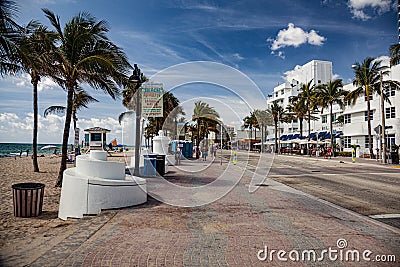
(354, 129)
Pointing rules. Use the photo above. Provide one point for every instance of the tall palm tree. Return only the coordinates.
(10, 33)
(81, 100)
(308, 97)
(84, 54)
(329, 94)
(299, 110)
(277, 113)
(202, 112)
(368, 75)
(263, 119)
(33, 57)
(367, 81)
(394, 52)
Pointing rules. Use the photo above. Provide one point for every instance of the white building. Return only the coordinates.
(354, 128)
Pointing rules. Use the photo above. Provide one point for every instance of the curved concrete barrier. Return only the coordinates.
(96, 184)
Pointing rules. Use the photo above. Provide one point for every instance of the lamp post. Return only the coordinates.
(221, 123)
(137, 78)
(383, 121)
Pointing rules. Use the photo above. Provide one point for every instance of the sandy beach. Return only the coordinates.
(20, 170)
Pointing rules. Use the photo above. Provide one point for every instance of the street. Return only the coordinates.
(364, 188)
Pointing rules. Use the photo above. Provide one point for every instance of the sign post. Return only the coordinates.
(152, 99)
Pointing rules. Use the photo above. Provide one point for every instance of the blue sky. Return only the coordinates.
(262, 39)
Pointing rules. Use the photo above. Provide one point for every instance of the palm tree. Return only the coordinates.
(32, 55)
(202, 113)
(328, 95)
(263, 119)
(308, 97)
(10, 33)
(367, 81)
(299, 110)
(277, 113)
(394, 53)
(368, 75)
(81, 100)
(84, 54)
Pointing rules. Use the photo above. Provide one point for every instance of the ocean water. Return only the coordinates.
(13, 149)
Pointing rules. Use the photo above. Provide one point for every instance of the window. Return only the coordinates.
(347, 118)
(324, 118)
(95, 137)
(276, 94)
(390, 113)
(366, 141)
(371, 115)
(334, 117)
(390, 140)
(390, 91)
(319, 81)
(282, 92)
(347, 141)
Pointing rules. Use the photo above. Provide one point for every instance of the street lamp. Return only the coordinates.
(137, 78)
(221, 122)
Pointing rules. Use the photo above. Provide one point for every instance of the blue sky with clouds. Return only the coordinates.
(262, 39)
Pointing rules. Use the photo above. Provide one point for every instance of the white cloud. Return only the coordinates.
(14, 128)
(385, 60)
(359, 7)
(295, 36)
(24, 81)
(237, 56)
(335, 76)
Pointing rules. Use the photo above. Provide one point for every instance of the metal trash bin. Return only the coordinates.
(28, 199)
(160, 165)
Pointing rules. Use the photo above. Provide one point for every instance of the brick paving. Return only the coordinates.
(228, 232)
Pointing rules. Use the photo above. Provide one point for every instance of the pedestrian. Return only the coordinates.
(204, 153)
(55, 151)
(20, 152)
(27, 152)
(215, 151)
(329, 150)
(325, 152)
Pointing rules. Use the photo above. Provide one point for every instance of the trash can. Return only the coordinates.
(149, 165)
(160, 164)
(395, 157)
(28, 199)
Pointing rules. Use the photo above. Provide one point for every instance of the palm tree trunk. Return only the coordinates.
(35, 123)
(371, 150)
(309, 124)
(331, 128)
(64, 149)
(276, 136)
(301, 127)
(198, 139)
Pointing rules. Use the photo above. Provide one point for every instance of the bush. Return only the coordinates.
(343, 154)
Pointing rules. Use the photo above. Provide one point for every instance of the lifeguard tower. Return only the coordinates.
(95, 138)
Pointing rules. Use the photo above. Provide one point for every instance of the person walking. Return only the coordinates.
(214, 151)
(329, 151)
(204, 153)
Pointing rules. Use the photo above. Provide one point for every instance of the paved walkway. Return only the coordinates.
(236, 230)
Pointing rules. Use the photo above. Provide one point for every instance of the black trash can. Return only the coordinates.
(28, 199)
(395, 157)
(160, 165)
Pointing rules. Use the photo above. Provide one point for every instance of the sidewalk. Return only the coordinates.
(239, 229)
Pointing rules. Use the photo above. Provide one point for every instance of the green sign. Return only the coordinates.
(152, 100)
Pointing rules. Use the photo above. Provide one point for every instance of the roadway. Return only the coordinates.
(367, 188)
